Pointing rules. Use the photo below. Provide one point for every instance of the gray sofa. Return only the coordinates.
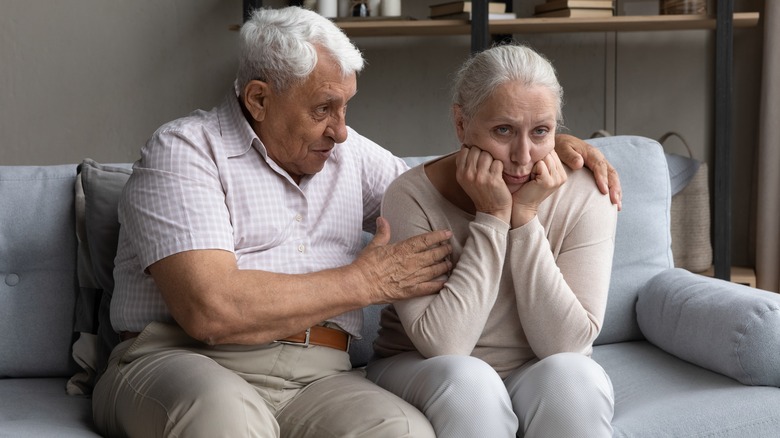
(687, 355)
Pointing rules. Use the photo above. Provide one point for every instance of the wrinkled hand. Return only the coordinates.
(480, 176)
(410, 268)
(575, 152)
(547, 176)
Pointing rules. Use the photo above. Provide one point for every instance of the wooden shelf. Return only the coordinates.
(739, 274)
(543, 25)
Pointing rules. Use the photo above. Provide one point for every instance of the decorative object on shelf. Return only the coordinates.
(344, 8)
(390, 8)
(360, 8)
(575, 8)
(696, 7)
(450, 8)
(328, 8)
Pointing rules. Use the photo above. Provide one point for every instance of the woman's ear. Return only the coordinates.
(255, 98)
(460, 122)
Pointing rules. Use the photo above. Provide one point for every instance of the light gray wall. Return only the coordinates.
(91, 78)
(94, 78)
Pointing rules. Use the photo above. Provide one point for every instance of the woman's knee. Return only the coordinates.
(572, 370)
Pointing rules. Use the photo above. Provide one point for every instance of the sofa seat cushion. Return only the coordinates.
(657, 394)
(39, 407)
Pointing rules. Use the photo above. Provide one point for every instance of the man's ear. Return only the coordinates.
(255, 98)
(460, 122)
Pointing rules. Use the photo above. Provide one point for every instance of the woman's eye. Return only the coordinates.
(541, 131)
(503, 130)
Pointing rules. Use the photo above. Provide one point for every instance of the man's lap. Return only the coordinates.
(305, 390)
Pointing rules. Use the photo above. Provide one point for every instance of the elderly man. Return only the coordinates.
(241, 240)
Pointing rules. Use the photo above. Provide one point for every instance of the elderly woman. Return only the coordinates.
(504, 347)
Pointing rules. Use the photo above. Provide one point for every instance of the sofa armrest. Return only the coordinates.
(725, 327)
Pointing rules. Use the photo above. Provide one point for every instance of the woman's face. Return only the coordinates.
(516, 125)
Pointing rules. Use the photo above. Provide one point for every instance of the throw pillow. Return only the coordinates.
(725, 327)
(98, 230)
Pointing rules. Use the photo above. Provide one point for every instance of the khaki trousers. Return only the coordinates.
(164, 383)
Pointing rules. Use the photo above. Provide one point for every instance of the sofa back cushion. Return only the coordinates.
(37, 270)
(643, 238)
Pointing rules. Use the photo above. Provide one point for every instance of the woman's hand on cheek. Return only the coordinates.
(547, 176)
(480, 176)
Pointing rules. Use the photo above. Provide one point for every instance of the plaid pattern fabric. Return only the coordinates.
(205, 182)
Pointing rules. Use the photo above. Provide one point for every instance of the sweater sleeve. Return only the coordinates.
(451, 321)
(561, 285)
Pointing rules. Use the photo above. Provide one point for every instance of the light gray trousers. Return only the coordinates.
(564, 395)
(164, 383)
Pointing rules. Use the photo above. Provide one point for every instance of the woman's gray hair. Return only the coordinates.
(481, 74)
(279, 46)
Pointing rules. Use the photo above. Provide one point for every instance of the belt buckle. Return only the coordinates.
(305, 342)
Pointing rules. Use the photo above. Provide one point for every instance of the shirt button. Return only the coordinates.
(301, 248)
(298, 218)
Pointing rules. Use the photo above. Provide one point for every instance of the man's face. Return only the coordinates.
(300, 126)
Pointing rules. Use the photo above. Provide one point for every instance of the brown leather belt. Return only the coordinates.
(319, 335)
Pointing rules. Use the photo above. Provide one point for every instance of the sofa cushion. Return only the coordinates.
(659, 395)
(642, 238)
(724, 327)
(40, 408)
(37, 270)
(98, 189)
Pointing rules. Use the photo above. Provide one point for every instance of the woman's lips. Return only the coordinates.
(515, 180)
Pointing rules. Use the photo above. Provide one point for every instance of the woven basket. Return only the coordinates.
(690, 217)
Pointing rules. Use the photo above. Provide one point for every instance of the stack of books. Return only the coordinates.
(462, 11)
(575, 8)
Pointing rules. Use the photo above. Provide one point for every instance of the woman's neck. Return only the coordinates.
(441, 173)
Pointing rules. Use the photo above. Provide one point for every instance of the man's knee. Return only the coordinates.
(349, 405)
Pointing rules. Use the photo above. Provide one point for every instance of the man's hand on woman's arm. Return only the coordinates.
(574, 153)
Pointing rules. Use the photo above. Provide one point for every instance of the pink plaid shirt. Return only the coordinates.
(205, 182)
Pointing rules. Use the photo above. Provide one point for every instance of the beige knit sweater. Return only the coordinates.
(513, 295)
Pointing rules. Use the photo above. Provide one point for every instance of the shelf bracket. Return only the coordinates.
(249, 6)
(480, 36)
(724, 56)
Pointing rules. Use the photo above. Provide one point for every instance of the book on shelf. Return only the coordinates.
(467, 16)
(464, 6)
(577, 13)
(554, 5)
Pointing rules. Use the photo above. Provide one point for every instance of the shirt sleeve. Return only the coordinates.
(174, 200)
(451, 321)
(378, 168)
(561, 286)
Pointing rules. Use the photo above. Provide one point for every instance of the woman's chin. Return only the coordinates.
(514, 187)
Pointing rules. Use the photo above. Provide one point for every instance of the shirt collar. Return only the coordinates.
(234, 126)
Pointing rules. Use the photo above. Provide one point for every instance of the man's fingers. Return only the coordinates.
(382, 236)
(430, 239)
(615, 191)
(571, 150)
